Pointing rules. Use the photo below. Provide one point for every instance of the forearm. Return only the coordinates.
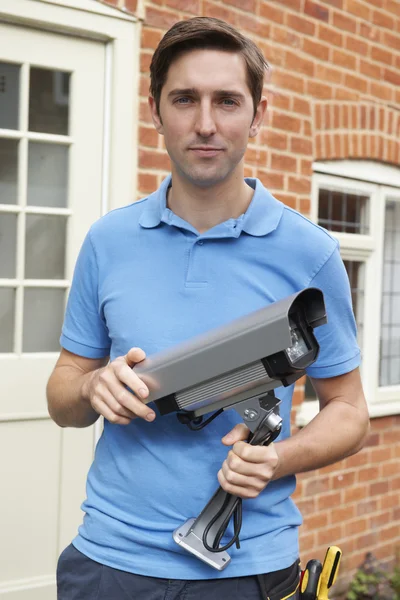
(68, 399)
(339, 430)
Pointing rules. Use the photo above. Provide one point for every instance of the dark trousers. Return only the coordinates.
(80, 578)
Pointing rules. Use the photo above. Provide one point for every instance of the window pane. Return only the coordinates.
(389, 372)
(356, 273)
(9, 95)
(8, 170)
(342, 211)
(45, 246)
(48, 101)
(47, 175)
(309, 392)
(8, 245)
(7, 315)
(43, 316)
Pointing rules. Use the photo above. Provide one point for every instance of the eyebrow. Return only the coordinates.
(195, 92)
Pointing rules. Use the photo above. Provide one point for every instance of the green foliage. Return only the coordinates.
(372, 582)
(395, 577)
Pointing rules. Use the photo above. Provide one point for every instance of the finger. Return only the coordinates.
(128, 399)
(239, 480)
(256, 454)
(134, 356)
(118, 373)
(104, 410)
(260, 471)
(105, 396)
(235, 490)
(124, 374)
(239, 433)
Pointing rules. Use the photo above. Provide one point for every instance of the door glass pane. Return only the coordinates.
(389, 372)
(45, 246)
(8, 170)
(7, 314)
(47, 175)
(43, 316)
(49, 101)
(8, 245)
(9, 95)
(343, 211)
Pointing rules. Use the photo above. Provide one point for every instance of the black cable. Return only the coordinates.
(237, 522)
(236, 511)
(259, 437)
(197, 424)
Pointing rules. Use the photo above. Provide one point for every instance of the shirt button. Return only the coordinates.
(200, 243)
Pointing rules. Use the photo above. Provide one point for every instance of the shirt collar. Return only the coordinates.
(261, 217)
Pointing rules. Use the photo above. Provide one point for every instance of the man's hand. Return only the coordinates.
(106, 390)
(247, 469)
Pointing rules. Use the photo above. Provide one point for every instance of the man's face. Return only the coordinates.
(206, 115)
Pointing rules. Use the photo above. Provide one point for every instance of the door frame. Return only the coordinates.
(120, 33)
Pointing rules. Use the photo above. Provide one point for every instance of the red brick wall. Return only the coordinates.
(334, 92)
(355, 504)
(334, 88)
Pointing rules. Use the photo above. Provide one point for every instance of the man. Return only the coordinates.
(207, 247)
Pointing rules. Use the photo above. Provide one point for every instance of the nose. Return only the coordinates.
(205, 121)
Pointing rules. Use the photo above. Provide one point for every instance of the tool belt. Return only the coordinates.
(281, 585)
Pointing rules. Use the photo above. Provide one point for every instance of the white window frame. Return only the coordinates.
(378, 181)
(120, 33)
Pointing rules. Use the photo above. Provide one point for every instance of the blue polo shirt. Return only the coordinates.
(147, 278)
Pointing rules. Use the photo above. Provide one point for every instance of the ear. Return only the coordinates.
(155, 116)
(258, 117)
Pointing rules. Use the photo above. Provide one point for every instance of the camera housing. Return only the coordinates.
(247, 357)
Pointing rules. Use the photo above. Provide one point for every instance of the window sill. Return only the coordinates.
(310, 408)
(384, 409)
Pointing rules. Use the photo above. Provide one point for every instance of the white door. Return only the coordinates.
(51, 138)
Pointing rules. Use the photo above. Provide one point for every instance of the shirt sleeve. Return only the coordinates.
(339, 351)
(84, 330)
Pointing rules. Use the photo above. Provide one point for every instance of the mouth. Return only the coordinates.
(206, 151)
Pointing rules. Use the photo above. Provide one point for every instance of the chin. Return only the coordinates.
(206, 178)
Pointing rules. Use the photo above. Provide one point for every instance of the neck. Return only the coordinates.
(205, 208)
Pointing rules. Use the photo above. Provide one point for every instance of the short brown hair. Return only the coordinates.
(206, 33)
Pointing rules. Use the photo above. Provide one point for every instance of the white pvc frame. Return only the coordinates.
(378, 181)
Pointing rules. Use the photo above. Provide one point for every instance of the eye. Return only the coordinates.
(182, 100)
(229, 102)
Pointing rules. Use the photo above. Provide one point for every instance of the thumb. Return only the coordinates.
(239, 433)
(134, 356)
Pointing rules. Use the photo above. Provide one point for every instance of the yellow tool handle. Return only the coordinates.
(310, 580)
(329, 572)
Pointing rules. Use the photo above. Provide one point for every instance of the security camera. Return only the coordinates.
(229, 364)
(238, 366)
